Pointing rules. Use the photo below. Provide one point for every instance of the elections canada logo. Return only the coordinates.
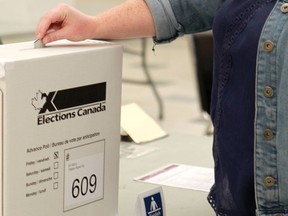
(70, 103)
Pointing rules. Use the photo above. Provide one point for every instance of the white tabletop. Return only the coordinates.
(180, 148)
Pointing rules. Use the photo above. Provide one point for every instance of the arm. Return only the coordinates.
(174, 18)
(131, 19)
(165, 20)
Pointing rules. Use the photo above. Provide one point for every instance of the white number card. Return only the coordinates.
(83, 178)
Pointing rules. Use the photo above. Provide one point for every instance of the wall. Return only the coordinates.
(20, 16)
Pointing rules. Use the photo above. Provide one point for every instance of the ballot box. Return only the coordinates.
(60, 125)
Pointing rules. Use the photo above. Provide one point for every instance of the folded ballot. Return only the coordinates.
(60, 124)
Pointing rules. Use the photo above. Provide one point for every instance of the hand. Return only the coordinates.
(131, 19)
(64, 22)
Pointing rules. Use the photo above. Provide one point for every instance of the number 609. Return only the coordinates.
(84, 185)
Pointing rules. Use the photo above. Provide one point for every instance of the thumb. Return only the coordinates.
(54, 35)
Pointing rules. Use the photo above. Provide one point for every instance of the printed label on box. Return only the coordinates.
(84, 175)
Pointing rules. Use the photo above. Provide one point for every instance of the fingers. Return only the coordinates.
(51, 23)
(64, 22)
(52, 36)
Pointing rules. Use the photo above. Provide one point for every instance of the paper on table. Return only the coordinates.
(140, 126)
(182, 176)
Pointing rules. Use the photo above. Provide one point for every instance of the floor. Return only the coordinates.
(171, 67)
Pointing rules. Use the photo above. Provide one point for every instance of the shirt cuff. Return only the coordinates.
(166, 26)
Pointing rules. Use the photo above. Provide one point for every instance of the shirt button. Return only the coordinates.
(284, 8)
(269, 181)
(268, 134)
(268, 92)
(268, 46)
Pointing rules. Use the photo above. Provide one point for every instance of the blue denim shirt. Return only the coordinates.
(174, 18)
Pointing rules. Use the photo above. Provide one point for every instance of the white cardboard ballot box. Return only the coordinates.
(60, 125)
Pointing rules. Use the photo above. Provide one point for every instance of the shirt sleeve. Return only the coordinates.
(174, 18)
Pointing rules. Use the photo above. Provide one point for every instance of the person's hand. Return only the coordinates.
(64, 22)
(131, 19)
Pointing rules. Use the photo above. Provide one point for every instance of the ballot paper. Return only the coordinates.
(38, 44)
(182, 176)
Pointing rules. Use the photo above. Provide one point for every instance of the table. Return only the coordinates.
(177, 148)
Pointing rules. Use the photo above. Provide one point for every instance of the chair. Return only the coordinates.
(149, 80)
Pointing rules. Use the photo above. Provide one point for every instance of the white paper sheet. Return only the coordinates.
(182, 176)
(139, 125)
